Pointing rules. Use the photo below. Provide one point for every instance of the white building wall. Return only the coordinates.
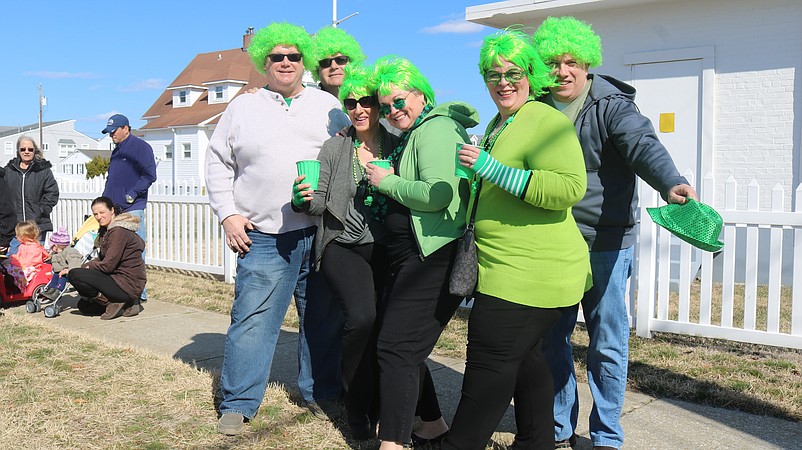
(758, 61)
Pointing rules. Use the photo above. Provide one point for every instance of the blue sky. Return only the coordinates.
(95, 59)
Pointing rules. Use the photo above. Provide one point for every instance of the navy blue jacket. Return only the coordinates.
(618, 143)
(132, 169)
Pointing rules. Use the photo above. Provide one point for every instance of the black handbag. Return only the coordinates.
(465, 270)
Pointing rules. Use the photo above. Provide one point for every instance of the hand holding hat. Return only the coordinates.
(694, 222)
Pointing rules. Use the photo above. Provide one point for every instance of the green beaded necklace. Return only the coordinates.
(359, 172)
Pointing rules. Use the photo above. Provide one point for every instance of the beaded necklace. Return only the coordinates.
(490, 140)
(360, 173)
(395, 156)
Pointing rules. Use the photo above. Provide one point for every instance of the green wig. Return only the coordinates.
(393, 71)
(281, 33)
(513, 45)
(558, 36)
(329, 41)
(356, 82)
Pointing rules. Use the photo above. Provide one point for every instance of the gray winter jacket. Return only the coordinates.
(618, 143)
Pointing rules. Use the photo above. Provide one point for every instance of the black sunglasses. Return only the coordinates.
(365, 102)
(278, 57)
(326, 63)
(22, 149)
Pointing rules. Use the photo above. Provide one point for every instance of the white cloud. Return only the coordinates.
(457, 26)
(61, 75)
(145, 85)
(102, 117)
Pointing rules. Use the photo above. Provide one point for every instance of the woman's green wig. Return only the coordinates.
(557, 36)
(356, 82)
(329, 41)
(393, 71)
(513, 45)
(281, 33)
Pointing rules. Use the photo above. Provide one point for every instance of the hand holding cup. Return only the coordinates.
(377, 170)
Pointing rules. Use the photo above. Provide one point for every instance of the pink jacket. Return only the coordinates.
(30, 254)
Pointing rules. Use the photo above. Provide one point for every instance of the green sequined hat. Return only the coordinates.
(693, 222)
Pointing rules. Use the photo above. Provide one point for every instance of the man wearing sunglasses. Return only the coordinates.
(250, 162)
(334, 49)
(618, 143)
(132, 169)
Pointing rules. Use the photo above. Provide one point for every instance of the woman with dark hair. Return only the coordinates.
(110, 285)
(34, 191)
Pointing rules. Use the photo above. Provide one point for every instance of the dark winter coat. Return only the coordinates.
(121, 255)
(34, 192)
(8, 216)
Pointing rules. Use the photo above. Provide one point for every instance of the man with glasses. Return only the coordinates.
(250, 162)
(619, 143)
(132, 169)
(334, 49)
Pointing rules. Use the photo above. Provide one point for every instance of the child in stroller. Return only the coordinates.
(63, 257)
(30, 258)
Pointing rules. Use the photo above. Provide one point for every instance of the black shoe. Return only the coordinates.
(418, 441)
(89, 308)
(566, 443)
(361, 428)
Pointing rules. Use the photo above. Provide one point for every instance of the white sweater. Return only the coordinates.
(250, 162)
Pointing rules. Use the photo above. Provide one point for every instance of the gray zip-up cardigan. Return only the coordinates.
(336, 187)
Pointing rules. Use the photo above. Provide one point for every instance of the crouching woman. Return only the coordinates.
(111, 284)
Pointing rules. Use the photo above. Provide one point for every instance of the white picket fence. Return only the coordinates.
(763, 250)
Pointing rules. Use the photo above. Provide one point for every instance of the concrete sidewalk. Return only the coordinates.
(197, 337)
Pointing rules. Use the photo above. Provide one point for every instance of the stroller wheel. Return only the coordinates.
(51, 311)
(30, 306)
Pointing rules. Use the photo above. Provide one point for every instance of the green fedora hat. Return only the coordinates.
(693, 222)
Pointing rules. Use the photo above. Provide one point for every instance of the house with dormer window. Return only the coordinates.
(183, 118)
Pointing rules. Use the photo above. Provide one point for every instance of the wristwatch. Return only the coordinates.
(129, 199)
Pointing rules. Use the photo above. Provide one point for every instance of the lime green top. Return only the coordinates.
(530, 250)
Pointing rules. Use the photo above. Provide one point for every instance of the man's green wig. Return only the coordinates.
(513, 45)
(356, 82)
(329, 41)
(557, 36)
(281, 33)
(393, 71)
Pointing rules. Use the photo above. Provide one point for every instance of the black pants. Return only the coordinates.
(504, 359)
(355, 273)
(415, 309)
(90, 282)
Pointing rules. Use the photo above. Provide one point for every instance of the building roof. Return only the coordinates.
(221, 66)
(9, 131)
(510, 12)
(91, 153)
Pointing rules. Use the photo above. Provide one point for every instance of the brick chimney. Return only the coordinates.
(246, 38)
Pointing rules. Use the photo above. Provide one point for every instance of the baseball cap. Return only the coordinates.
(115, 121)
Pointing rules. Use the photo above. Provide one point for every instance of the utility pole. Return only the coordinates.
(41, 145)
(334, 20)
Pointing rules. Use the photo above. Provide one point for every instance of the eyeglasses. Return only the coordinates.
(365, 102)
(30, 150)
(399, 103)
(278, 57)
(341, 60)
(512, 76)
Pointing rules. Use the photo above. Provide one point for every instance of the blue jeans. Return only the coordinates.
(276, 269)
(141, 232)
(604, 308)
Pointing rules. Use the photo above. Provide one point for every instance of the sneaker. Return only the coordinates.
(325, 409)
(49, 294)
(231, 424)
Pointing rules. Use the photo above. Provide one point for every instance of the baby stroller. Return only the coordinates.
(83, 242)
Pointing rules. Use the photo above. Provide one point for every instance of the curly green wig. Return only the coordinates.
(329, 41)
(356, 82)
(557, 36)
(513, 45)
(393, 71)
(281, 33)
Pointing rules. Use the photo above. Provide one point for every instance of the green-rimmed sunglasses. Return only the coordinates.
(512, 76)
(399, 103)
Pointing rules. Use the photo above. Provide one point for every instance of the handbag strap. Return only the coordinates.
(475, 202)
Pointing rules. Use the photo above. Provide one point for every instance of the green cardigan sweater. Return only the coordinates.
(425, 182)
(530, 250)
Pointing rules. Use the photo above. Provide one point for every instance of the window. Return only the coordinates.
(182, 97)
(187, 150)
(65, 150)
(218, 92)
(67, 169)
(45, 147)
(9, 148)
(81, 168)
(168, 151)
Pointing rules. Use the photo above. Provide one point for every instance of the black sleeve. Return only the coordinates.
(8, 215)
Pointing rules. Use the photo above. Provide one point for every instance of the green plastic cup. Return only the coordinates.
(383, 163)
(460, 170)
(310, 168)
